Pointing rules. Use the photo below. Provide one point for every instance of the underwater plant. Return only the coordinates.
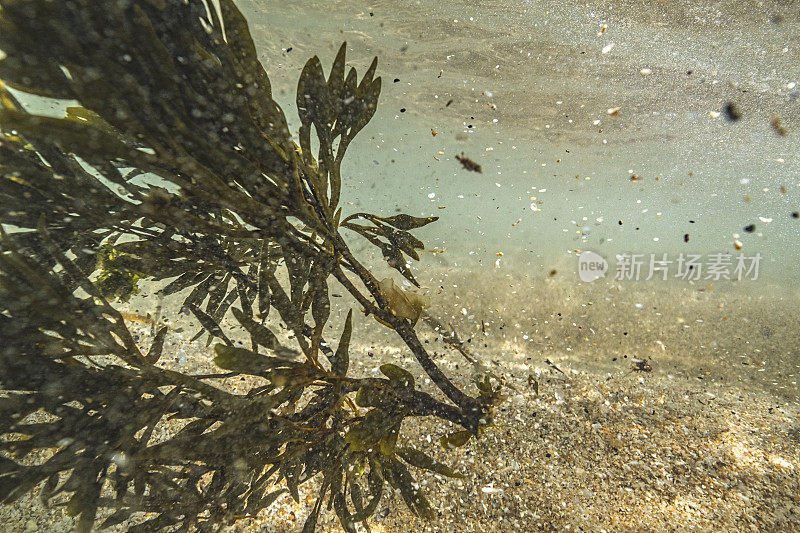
(174, 165)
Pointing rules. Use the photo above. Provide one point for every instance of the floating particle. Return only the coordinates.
(553, 272)
(432, 195)
(765, 220)
(613, 111)
(645, 72)
(775, 122)
(448, 103)
(732, 112)
(607, 48)
(737, 244)
(635, 178)
(434, 132)
(441, 71)
(469, 164)
(750, 228)
(685, 237)
(783, 189)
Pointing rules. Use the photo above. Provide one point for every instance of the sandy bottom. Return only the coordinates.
(706, 437)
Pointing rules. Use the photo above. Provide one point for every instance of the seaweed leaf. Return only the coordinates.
(341, 359)
(401, 479)
(456, 439)
(157, 347)
(208, 323)
(247, 362)
(399, 377)
(422, 460)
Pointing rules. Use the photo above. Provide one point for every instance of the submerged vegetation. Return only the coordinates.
(177, 167)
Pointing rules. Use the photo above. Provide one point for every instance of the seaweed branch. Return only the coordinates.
(177, 168)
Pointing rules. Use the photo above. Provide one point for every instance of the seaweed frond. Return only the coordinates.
(177, 167)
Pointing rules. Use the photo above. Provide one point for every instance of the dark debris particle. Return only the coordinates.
(732, 112)
(396, 80)
(685, 237)
(469, 164)
(402, 109)
(775, 122)
(795, 214)
(750, 228)
(289, 49)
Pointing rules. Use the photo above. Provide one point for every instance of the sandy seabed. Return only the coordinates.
(705, 436)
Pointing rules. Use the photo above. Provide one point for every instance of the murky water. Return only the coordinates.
(647, 131)
(532, 91)
(629, 246)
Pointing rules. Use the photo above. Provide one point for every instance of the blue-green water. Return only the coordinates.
(530, 88)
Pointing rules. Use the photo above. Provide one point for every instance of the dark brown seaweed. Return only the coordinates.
(177, 167)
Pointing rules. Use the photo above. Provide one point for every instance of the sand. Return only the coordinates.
(703, 437)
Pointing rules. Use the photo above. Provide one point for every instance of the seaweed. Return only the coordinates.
(177, 167)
